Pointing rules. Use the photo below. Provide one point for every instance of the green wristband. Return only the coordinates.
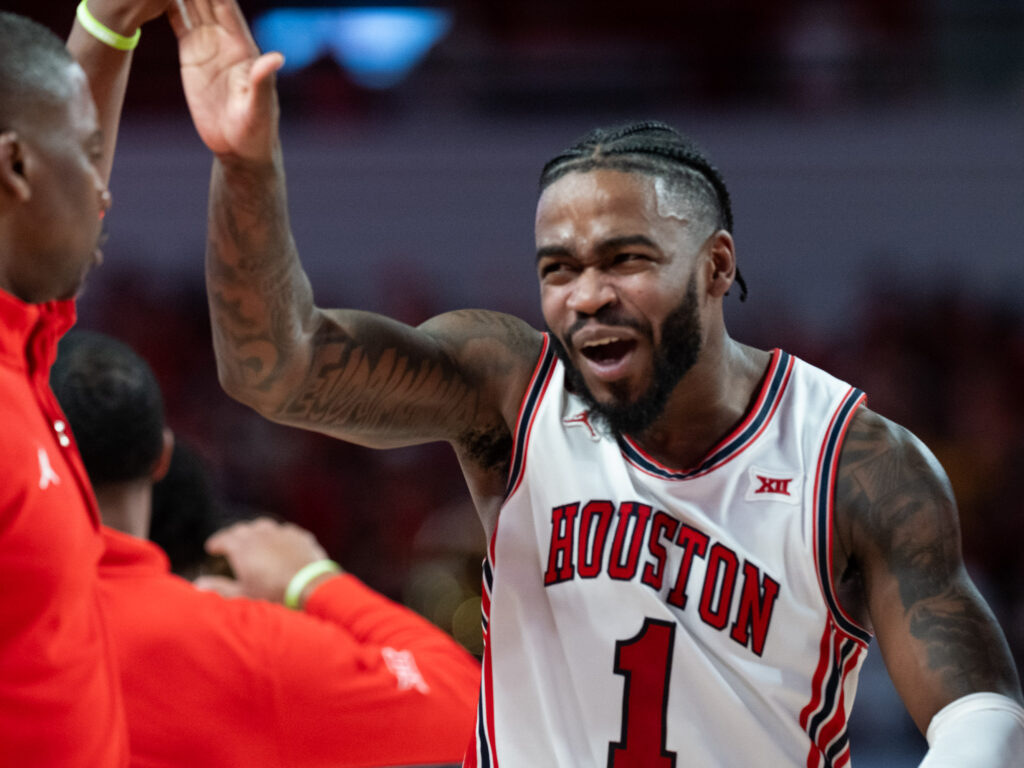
(103, 33)
(302, 579)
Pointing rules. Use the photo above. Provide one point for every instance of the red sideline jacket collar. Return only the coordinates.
(29, 332)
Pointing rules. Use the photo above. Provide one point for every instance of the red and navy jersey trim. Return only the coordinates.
(753, 425)
(824, 718)
(824, 493)
(485, 605)
(527, 411)
(481, 752)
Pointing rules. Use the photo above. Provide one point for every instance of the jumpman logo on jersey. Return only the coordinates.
(47, 476)
(583, 419)
(402, 664)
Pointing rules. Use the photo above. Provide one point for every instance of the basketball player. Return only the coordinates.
(692, 541)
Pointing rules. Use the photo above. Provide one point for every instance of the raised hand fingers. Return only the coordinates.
(180, 18)
(187, 15)
(265, 66)
(225, 540)
(201, 11)
(230, 14)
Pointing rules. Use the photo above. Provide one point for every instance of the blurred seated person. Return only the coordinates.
(186, 511)
(348, 679)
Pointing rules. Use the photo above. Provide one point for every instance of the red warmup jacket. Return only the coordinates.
(60, 703)
(354, 680)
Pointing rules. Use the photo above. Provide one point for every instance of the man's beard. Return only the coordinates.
(673, 357)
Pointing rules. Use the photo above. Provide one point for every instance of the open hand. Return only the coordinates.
(229, 85)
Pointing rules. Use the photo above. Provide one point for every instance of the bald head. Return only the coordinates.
(53, 191)
(34, 71)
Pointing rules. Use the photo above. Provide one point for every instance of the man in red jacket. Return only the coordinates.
(349, 678)
(60, 701)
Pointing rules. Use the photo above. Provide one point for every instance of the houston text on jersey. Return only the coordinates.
(579, 539)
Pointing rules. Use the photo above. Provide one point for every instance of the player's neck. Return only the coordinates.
(711, 399)
(126, 506)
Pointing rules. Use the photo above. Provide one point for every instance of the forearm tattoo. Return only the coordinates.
(257, 290)
(363, 374)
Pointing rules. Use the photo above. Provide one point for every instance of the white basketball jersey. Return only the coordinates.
(637, 616)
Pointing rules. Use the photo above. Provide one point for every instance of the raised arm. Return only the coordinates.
(355, 375)
(899, 547)
(106, 66)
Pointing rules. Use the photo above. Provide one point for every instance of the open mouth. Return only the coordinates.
(607, 351)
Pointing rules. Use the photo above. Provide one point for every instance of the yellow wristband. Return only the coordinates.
(103, 33)
(302, 579)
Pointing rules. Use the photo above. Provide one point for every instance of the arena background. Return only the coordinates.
(875, 157)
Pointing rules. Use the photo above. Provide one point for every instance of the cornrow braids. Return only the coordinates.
(655, 149)
(113, 404)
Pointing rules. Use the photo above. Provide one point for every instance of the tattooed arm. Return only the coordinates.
(355, 375)
(898, 564)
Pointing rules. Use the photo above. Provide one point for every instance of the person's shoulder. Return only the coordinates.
(873, 439)
(493, 332)
(890, 484)
(498, 349)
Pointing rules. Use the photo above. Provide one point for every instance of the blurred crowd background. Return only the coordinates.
(875, 153)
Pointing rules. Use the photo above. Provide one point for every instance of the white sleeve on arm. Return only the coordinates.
(981, 730)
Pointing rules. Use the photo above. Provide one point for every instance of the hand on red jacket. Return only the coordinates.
(264, 556)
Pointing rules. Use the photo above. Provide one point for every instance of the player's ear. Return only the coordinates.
(13, 182)
(163, 463)
(720, 265)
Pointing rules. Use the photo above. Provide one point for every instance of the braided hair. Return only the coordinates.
(655, 149)
(113, 404)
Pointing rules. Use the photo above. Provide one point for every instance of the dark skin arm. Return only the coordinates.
(898, 566)
(351, 374)
(106, 67)
(354, 375)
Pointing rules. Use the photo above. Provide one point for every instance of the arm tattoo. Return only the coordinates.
(900, 509)
(351, 372)
(258, 293)
(376, 384)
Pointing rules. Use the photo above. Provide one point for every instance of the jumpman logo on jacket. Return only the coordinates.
(47, 476)
(402, 664)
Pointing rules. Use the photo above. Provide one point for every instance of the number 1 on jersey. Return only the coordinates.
(645, 660)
